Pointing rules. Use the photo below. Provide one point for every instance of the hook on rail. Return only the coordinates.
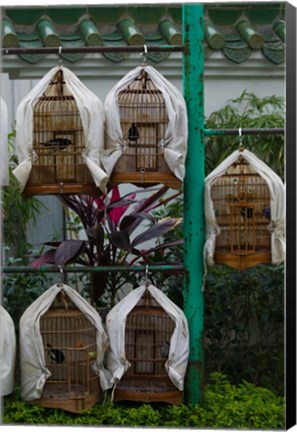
(241, 148)
(144, 54)
(61, 278)
(60, 55)
(147, 280)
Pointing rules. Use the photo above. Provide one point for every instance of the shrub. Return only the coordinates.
(248, 111)
(244, 324)
(242, 406)
(17, 211)
(21, 289)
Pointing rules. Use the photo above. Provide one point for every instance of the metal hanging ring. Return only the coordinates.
(241, 148)
(61, 273)
(60, 55)
(144, 53)
(147, 281)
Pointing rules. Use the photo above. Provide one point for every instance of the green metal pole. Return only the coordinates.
(100, 269)
(193, 67)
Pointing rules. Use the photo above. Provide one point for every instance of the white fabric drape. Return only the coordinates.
(277, 206)
(7, 352)
(176, 135)
(4, 172)
(33, 368)
(92, 115)
(117, 363)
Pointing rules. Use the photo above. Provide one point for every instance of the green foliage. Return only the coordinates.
(110, 224)
(244, 324)
(171, 283)
(244, 405)
(248, 111)
(21, 289)
(223, 405)
(17, 211)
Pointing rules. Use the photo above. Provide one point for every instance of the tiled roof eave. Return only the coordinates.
(235, 32)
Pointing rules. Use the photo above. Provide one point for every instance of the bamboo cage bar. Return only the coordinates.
(69, 340)
(148, 331)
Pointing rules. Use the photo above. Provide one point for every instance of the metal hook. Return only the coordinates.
(61, 273)
(241, 148)
(144, 53)
(147, 281)
(60, 55)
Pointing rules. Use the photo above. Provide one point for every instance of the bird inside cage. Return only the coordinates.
(146, 130)
(69, 341)
(241, 200)
(58, 138)
(143, 120)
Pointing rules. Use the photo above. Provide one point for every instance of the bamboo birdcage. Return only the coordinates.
(148, 330)
(58, 143)
(241, 200)
(69, 341)
(143, 119)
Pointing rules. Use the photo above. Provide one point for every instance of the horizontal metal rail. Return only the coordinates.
(100, 269)
(256, 131)
(92, 49)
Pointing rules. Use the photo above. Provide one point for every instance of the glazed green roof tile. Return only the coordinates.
(235, 29)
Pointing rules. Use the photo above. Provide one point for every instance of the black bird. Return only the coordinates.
(133, 133)
(58, 143)
(246, 211)
(55, 354)
(164, 347)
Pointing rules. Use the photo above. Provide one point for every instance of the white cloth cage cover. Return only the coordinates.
(4, 173)
(176, 135)
(33, 367)
(92, 115)
(117, 364)
(7, 352)
(277, 206)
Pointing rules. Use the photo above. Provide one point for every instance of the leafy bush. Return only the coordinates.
(248, 111)
(21, 289)
(16, 210)
(244, 324)
(223, 405)
(243, 405)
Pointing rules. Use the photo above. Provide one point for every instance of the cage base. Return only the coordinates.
(61, 189)
(147, 391)
(146, 179)
(242, 261)
(173, 397)
(57, 396)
